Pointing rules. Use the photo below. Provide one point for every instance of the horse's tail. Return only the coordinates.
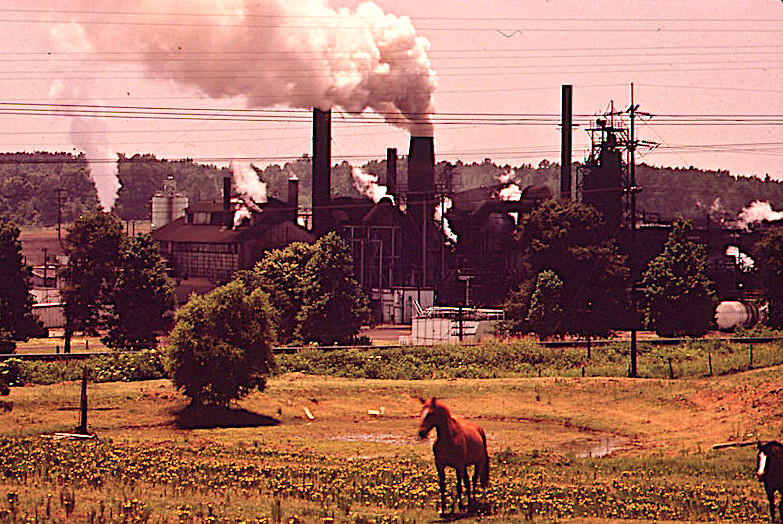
(484, 476)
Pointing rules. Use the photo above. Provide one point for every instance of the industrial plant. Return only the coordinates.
(422, 244)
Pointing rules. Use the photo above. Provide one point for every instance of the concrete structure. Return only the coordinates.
(168, 205)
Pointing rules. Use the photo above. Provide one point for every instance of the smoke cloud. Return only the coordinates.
(88, 134)
(759, 211)
(367, 185)
(247, 182)
(440, 216)
(299, 53)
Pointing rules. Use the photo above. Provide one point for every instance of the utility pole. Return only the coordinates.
(632, 188)
(633, 112)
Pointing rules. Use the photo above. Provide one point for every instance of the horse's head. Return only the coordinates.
(761, 463)
(771, 450)
(433, 412)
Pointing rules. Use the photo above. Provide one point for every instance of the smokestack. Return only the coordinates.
(421, 178)
(228, 219)
(565, 145)
(391, 170)
(321, 181)
(293, 197)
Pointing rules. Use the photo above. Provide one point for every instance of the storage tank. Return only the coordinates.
(168, 205)
(731, 313)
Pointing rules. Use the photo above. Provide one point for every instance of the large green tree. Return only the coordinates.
(281, 274)
(313, 290)
(768, 258)
(334, 306)
(221, 345)
(678, 295)
(92, 245)
(140, 297)
(16, 301)
(565, 237)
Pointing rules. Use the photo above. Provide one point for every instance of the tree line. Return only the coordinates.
(30, 184)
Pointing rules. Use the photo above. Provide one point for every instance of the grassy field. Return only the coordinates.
(266, 461)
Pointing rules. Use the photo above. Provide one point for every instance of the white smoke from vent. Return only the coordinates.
(247, 182)
(367, 185)
(86, 133)
(744, 261)
(759, 211)
(512, 190)
(440, 216)
(299, 53)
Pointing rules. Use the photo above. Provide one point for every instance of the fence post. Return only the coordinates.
(709, 358)
(750, 364)
(671, 369)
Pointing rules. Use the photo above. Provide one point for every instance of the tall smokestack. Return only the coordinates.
(322, 159)
(565, 145)
(421, 178)
(293, 196)
(228, 215)
(391, 170)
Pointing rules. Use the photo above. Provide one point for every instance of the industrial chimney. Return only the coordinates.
(391, 170)
(228, 216)
(565, 144)
(321, 171)
(421, 179)
(293, 197)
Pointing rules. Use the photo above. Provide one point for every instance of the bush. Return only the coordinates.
(221, 345)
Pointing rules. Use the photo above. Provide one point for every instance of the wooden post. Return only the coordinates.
(82, 429)
(750, 364)
(671, 369)
(709, 359)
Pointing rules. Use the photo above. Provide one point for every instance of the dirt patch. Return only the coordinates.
(383, 438)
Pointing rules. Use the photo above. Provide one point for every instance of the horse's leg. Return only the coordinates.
(771, 497)
(780, 506)
(466, 479)
(442, 486)
(460, 472)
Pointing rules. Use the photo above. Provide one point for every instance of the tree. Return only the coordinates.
(768, 257)
(564, 237)
(92, 245)
(140, 297)
(221, 345)
(333, 304)
(677, 293)
(281, 274)
(16, 301)
(546, 309)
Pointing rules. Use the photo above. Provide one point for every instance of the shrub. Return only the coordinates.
(221, 345)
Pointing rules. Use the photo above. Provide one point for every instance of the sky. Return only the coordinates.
(233, 80)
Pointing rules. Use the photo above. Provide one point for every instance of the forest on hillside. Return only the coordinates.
(29, 185)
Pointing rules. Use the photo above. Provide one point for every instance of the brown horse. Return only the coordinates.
(458, 444)
(770, 472)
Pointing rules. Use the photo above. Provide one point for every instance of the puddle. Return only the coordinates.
(383, 438)
(604, 447)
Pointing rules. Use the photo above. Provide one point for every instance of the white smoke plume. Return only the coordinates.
(367, 185)
(744, 261)
(510, 192)
(759, 211)
(440, 215)
(86, 133)
(299, 53)
(247, 182)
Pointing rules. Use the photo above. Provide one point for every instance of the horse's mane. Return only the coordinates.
(438, 404)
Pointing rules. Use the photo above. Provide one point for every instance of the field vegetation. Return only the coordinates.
(563, 446)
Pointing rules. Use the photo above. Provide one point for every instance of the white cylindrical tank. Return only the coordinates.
(168, 205)
(732, 313)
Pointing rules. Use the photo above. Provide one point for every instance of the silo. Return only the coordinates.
(168, 205)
